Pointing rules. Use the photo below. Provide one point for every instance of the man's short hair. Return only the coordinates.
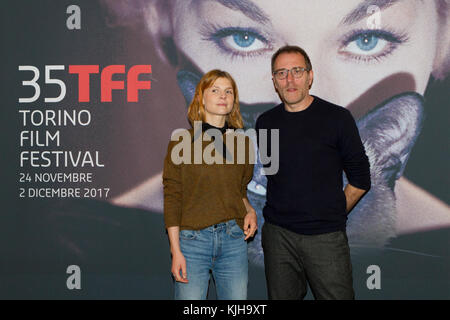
(292, 49)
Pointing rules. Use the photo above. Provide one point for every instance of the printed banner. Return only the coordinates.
(94, 89)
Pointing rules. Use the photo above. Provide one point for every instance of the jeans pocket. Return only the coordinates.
(188, 234)
(234, 231)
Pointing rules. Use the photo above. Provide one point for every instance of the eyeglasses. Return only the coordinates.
(297, 72)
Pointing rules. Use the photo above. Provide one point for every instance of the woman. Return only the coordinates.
(206, 210)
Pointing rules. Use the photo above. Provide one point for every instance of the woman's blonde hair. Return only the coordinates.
(196, 111)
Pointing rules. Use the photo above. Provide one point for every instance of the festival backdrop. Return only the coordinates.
(92, 90)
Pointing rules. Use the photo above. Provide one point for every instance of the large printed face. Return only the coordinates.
(378, 69)
(350, 60)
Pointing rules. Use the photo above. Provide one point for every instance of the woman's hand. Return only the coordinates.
(179, 264)
(178, 260)
(250, 220)
(250, 224)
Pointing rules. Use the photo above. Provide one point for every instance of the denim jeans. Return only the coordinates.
(220, 248)
(292, 260)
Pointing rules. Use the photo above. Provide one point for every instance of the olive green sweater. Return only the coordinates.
(197, 196)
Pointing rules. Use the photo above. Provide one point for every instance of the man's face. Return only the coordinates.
(292, 90)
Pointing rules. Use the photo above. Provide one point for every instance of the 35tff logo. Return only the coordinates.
(84, 72)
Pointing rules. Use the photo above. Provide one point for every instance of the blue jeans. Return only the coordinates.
(220, 248)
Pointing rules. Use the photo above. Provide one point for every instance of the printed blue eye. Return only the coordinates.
(237, 41)
(257, 188)
(243, 39)
(367, 42)
(366, 45)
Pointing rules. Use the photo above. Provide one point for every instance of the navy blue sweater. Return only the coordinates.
(316, 146)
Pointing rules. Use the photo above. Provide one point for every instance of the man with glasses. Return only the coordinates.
(303, 237)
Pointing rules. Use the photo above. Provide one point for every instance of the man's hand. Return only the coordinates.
(352, 196)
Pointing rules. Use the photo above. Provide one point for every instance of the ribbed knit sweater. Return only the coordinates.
(316, 146)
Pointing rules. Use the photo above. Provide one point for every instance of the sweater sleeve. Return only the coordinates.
(355, 161)
(172, 190)
(249, 165)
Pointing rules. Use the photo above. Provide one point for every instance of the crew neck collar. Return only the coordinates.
(307, 110)
(207, 126)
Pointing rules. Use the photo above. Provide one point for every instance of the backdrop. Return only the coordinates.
(91, 91)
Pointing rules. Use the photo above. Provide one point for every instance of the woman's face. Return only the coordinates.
(349, 58)
(218, 99)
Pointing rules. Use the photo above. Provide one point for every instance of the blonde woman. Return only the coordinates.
(206, 210)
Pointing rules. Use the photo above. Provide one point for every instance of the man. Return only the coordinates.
(304, 238)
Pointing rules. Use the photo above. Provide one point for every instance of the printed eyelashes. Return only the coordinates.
(365, 45)
(236, 41)
(362, 45)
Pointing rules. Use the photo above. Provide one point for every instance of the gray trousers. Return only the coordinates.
(292, 260)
